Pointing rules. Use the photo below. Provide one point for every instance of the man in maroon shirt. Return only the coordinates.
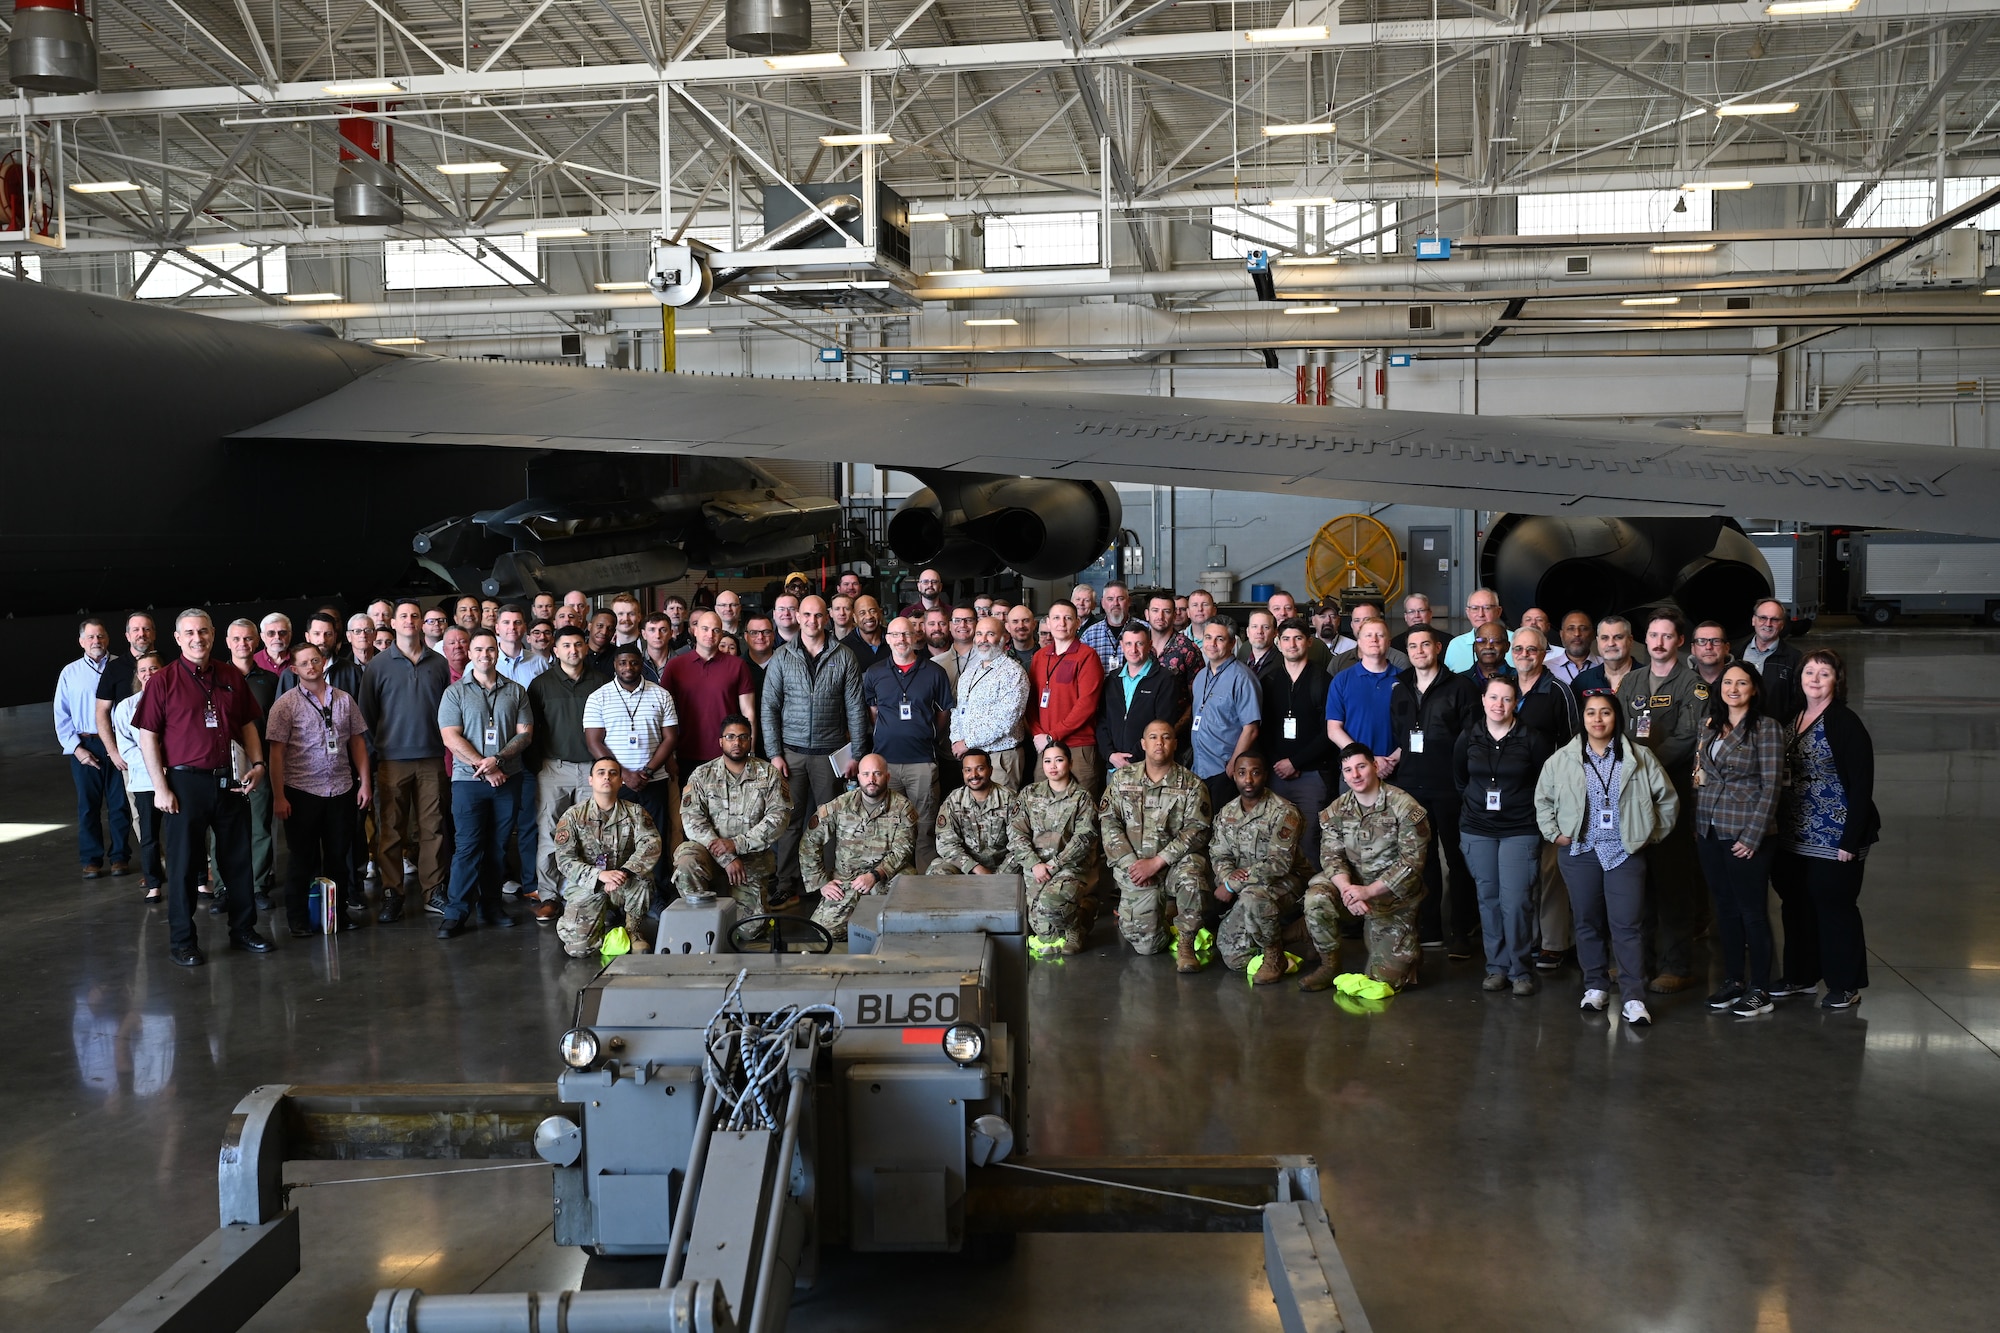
(186, 720)
(707, 686)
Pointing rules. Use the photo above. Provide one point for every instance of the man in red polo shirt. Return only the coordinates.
(186, 720)
(707, 686)
(1068, 679)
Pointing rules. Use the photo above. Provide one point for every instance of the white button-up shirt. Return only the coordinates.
(76, 701)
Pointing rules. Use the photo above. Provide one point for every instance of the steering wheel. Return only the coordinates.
(774, 941)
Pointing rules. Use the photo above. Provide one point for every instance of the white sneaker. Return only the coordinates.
(1636, 1014)
(409, 867)
(511, 887)
(1595, 999)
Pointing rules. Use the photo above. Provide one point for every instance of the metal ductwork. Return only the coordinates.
(796, 231)
(1624, 566)
(769, 27)
(366, 192)
(53, 49)
(967, 524)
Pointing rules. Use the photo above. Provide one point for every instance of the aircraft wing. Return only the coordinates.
(1510, 463)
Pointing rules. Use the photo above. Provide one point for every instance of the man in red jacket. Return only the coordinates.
(1068, 679)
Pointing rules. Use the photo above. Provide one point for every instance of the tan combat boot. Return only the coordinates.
(1184, 955)
(1073, 940)
(1320, 978)
(1271, 969)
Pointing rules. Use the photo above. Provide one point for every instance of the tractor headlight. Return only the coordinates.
(579, 1048)
(964, 1043)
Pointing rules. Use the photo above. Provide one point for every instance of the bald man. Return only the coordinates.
(873, 832)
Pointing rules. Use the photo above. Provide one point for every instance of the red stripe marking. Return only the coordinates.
(918, 1036)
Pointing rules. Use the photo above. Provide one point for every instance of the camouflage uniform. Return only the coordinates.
(1265, 842)
(1060, 829)
(879, 836)
(751, 811)
(588, 840)
(1388, 842)
(970, 834)
(1168, 818)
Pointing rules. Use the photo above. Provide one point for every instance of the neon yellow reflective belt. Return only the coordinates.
(617, 941)
(1362, 986)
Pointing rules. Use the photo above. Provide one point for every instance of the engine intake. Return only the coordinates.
(969, 524)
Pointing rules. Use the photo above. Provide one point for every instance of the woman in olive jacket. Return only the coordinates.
(1604, 802)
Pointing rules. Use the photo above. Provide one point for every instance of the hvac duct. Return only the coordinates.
(52, 49)
(769, 27)
(365, 192)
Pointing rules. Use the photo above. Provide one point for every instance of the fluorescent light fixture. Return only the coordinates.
(956, 273)
(555, 233)
(471, 168)
(855, 140)
(1784, 7)
(1651, 300)
(216, 248)
(1284, 131)
(623, 286)
(810, 60)
(362, 88)
(991, 323)
(397, 342)
(301, 298)
(1312, 309)
(1757, 109)
(1717, 185)
(930, 217)
(680, 332)
(1312, 201)
(1316, 33)
(1685, 248)
(102, 187)
(1304, 261)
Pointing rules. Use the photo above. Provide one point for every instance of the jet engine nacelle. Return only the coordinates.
(1604, 566)
(967, 524)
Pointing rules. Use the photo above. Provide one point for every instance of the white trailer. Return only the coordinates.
(1921, 573)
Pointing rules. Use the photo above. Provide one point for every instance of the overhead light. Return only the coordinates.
(362, 88)
(956, 273)
(1313, 201)
(930, 217)
(1757, 109)
(680, 332)
(102, 187)
(1685, 248)
(1312, 309)
(397, 342)
(1303, 261)
(215, 249)
(470, 168)
(1651, 300)
(1717, 185)
(555, 233)
(855, 140)
(1811, 7)
(991, 323)
(623, 286)
(1317, 33)
(1313, 127)
(810, 60)
(300, 298)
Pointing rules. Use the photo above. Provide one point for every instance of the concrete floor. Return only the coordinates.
(1494, 1164)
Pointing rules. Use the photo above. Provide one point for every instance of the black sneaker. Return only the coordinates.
(1753, 1003)
(433, 905)
(1840, 999)
(1731, 992)
(1548, 960)
(1782, 989)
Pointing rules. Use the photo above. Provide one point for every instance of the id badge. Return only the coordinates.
(1642, 726)
(903, 710)
(332, 745)
(1045, 698)
(1417, 741)
(210, 720)
(1291, 728)
(492, 738)
(631, 738)
(1196, 726)
(1492, 798)
(1607, 819)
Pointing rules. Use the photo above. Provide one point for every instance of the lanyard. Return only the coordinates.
(325, 713)
(207, 688)
(1604, 775)
(632, 710)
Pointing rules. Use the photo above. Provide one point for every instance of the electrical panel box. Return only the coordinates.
(1954, 258)
(1434, 247)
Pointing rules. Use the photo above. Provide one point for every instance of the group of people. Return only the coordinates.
(1511, 795)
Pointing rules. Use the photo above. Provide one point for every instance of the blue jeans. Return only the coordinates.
(100, 797)
(483, 819)
(525, 832)
(1505, 870)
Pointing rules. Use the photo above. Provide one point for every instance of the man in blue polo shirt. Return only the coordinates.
(1227, 711)
(1357, 705)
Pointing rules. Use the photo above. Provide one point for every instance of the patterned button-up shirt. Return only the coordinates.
(589, 840)
(1264, 841)
(750, 811)
(878, 836)
(1167, 819)
(992, 697)
(972, 832)
(1387, 841)
(315, 733)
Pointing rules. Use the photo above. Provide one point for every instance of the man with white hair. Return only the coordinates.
(276, 632)
(1084, 598)
(992, 700)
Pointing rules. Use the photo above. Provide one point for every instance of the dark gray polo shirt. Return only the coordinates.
(400, 699)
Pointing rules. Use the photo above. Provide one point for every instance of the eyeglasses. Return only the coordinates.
(1768, 620)
(1710, 643)
(1526, 650)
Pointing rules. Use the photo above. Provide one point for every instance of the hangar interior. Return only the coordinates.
(1776, 218)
